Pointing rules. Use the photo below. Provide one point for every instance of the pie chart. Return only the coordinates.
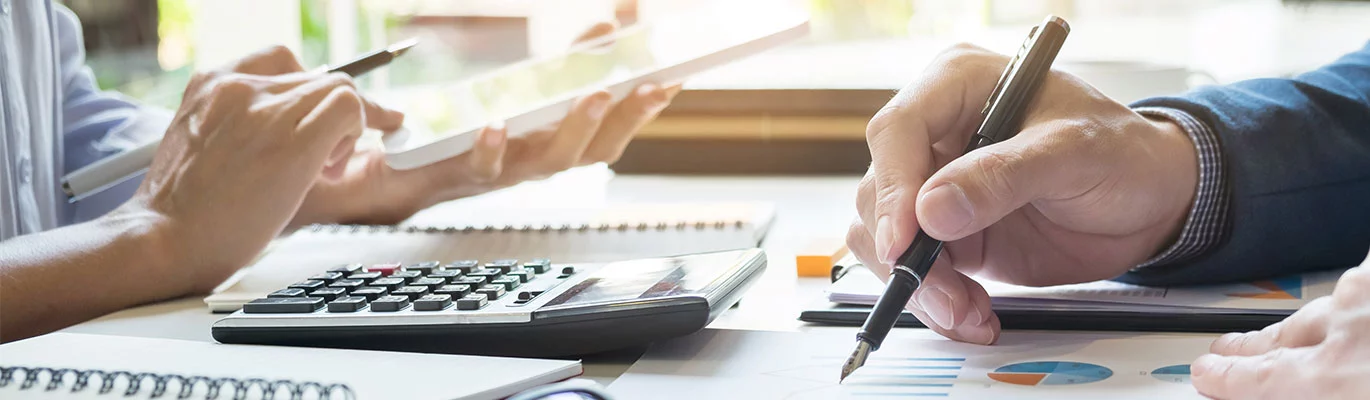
(1040, 373)
(1173, 373)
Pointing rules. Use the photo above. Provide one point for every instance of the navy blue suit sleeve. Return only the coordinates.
(1297, 154)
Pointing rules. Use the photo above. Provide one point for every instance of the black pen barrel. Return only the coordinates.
(904, 280)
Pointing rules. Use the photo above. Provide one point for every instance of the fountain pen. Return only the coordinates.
(1001, 118)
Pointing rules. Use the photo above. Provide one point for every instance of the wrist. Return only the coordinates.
(1181, 171)
(144, 234)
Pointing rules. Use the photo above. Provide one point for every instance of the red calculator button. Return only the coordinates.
(384, 269)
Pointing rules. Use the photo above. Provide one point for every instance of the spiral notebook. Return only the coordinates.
(563, 235)
(85, 366)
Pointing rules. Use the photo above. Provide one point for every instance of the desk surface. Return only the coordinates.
(806, 207)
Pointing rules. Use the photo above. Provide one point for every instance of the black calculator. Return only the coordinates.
(506, 307)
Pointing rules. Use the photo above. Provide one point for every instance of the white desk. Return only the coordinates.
(806, 207)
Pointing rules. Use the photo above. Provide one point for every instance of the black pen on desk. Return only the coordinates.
(116, 168)
(1001, 118)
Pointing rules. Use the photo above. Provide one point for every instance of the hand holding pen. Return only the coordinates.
(1088, 189)
(1000, 119)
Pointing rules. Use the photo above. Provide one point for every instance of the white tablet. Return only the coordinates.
(538, 92)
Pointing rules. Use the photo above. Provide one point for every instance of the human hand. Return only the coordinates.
(1320, 352)
(595, 130)
(1087, 190)
(238, 158)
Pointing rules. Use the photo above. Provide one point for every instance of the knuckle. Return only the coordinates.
(856, 235)
(965, 57)
(996, 171)
(278, 52)
(881, 122)
(889, 191)
(230, 86)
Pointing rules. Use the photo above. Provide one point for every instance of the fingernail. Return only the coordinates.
(977, 317)
(673, 90)
(493, 137)
(599, 105)
(1203, 365)
(937, 304)
(981, 333)
(884, 239)
(950, 210)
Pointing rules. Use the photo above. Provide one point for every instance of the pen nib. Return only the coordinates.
(857, 359)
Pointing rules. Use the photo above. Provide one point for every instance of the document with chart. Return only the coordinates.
(915, 363)
(1275, 296)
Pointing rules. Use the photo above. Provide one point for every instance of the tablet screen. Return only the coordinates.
(633, 52)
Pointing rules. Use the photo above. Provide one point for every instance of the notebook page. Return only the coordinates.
(370, 374)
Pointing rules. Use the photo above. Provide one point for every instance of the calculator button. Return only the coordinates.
(471, 280)
(425, 267)
(346, 268)
(407, 276)
(503, 266)
(523, 276)
(365, 276)
(370, 292)
(308, 284)
(487, 273)
(464, 266)
(412, 292)
(525, 296)
(568, 270)
(509, 282)
(472, 302)
(289, 292)
(491, 291)
(327, 277)
(432, 302)
(430, 283)
(283, 305)
(456, 291)
(445, 275)
(384, 269)
(538, 265)
(329, 293)
(347, 304)
(348, 284)
(390, 283)
(389, 303)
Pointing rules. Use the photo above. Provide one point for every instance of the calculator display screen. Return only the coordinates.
(642, 279)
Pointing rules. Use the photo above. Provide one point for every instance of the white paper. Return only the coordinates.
(727, 364)
(370, 374)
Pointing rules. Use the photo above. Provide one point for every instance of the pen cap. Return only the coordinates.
(1005, 109)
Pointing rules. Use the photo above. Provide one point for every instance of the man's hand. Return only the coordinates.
(245, 146)
(596, 130)
(1087, 190)
(1320, 352)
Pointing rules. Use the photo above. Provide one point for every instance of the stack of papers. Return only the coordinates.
(719, 364)
(1279, 296)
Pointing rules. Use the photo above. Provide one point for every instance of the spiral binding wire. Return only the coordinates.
(563, 228)
(161, 383)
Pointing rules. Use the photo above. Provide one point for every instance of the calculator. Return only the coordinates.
(504, 307)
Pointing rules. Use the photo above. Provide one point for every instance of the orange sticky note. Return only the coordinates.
(818, 256)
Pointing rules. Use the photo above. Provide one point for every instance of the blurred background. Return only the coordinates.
(801, 108)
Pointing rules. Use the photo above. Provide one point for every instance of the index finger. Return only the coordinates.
(274, 60)
(945, 104)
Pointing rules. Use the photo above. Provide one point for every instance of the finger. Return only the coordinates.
(1306, 327)
(274, 60)
(624, 121)
(597, 30)
(304, 98)
(1274, 375)
(336, 117)
(902, 133)
(487, 158)
(575, 133)
(976, 190)
(380, 117)
(337, 161)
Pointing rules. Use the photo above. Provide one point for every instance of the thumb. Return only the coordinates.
(978, 189)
